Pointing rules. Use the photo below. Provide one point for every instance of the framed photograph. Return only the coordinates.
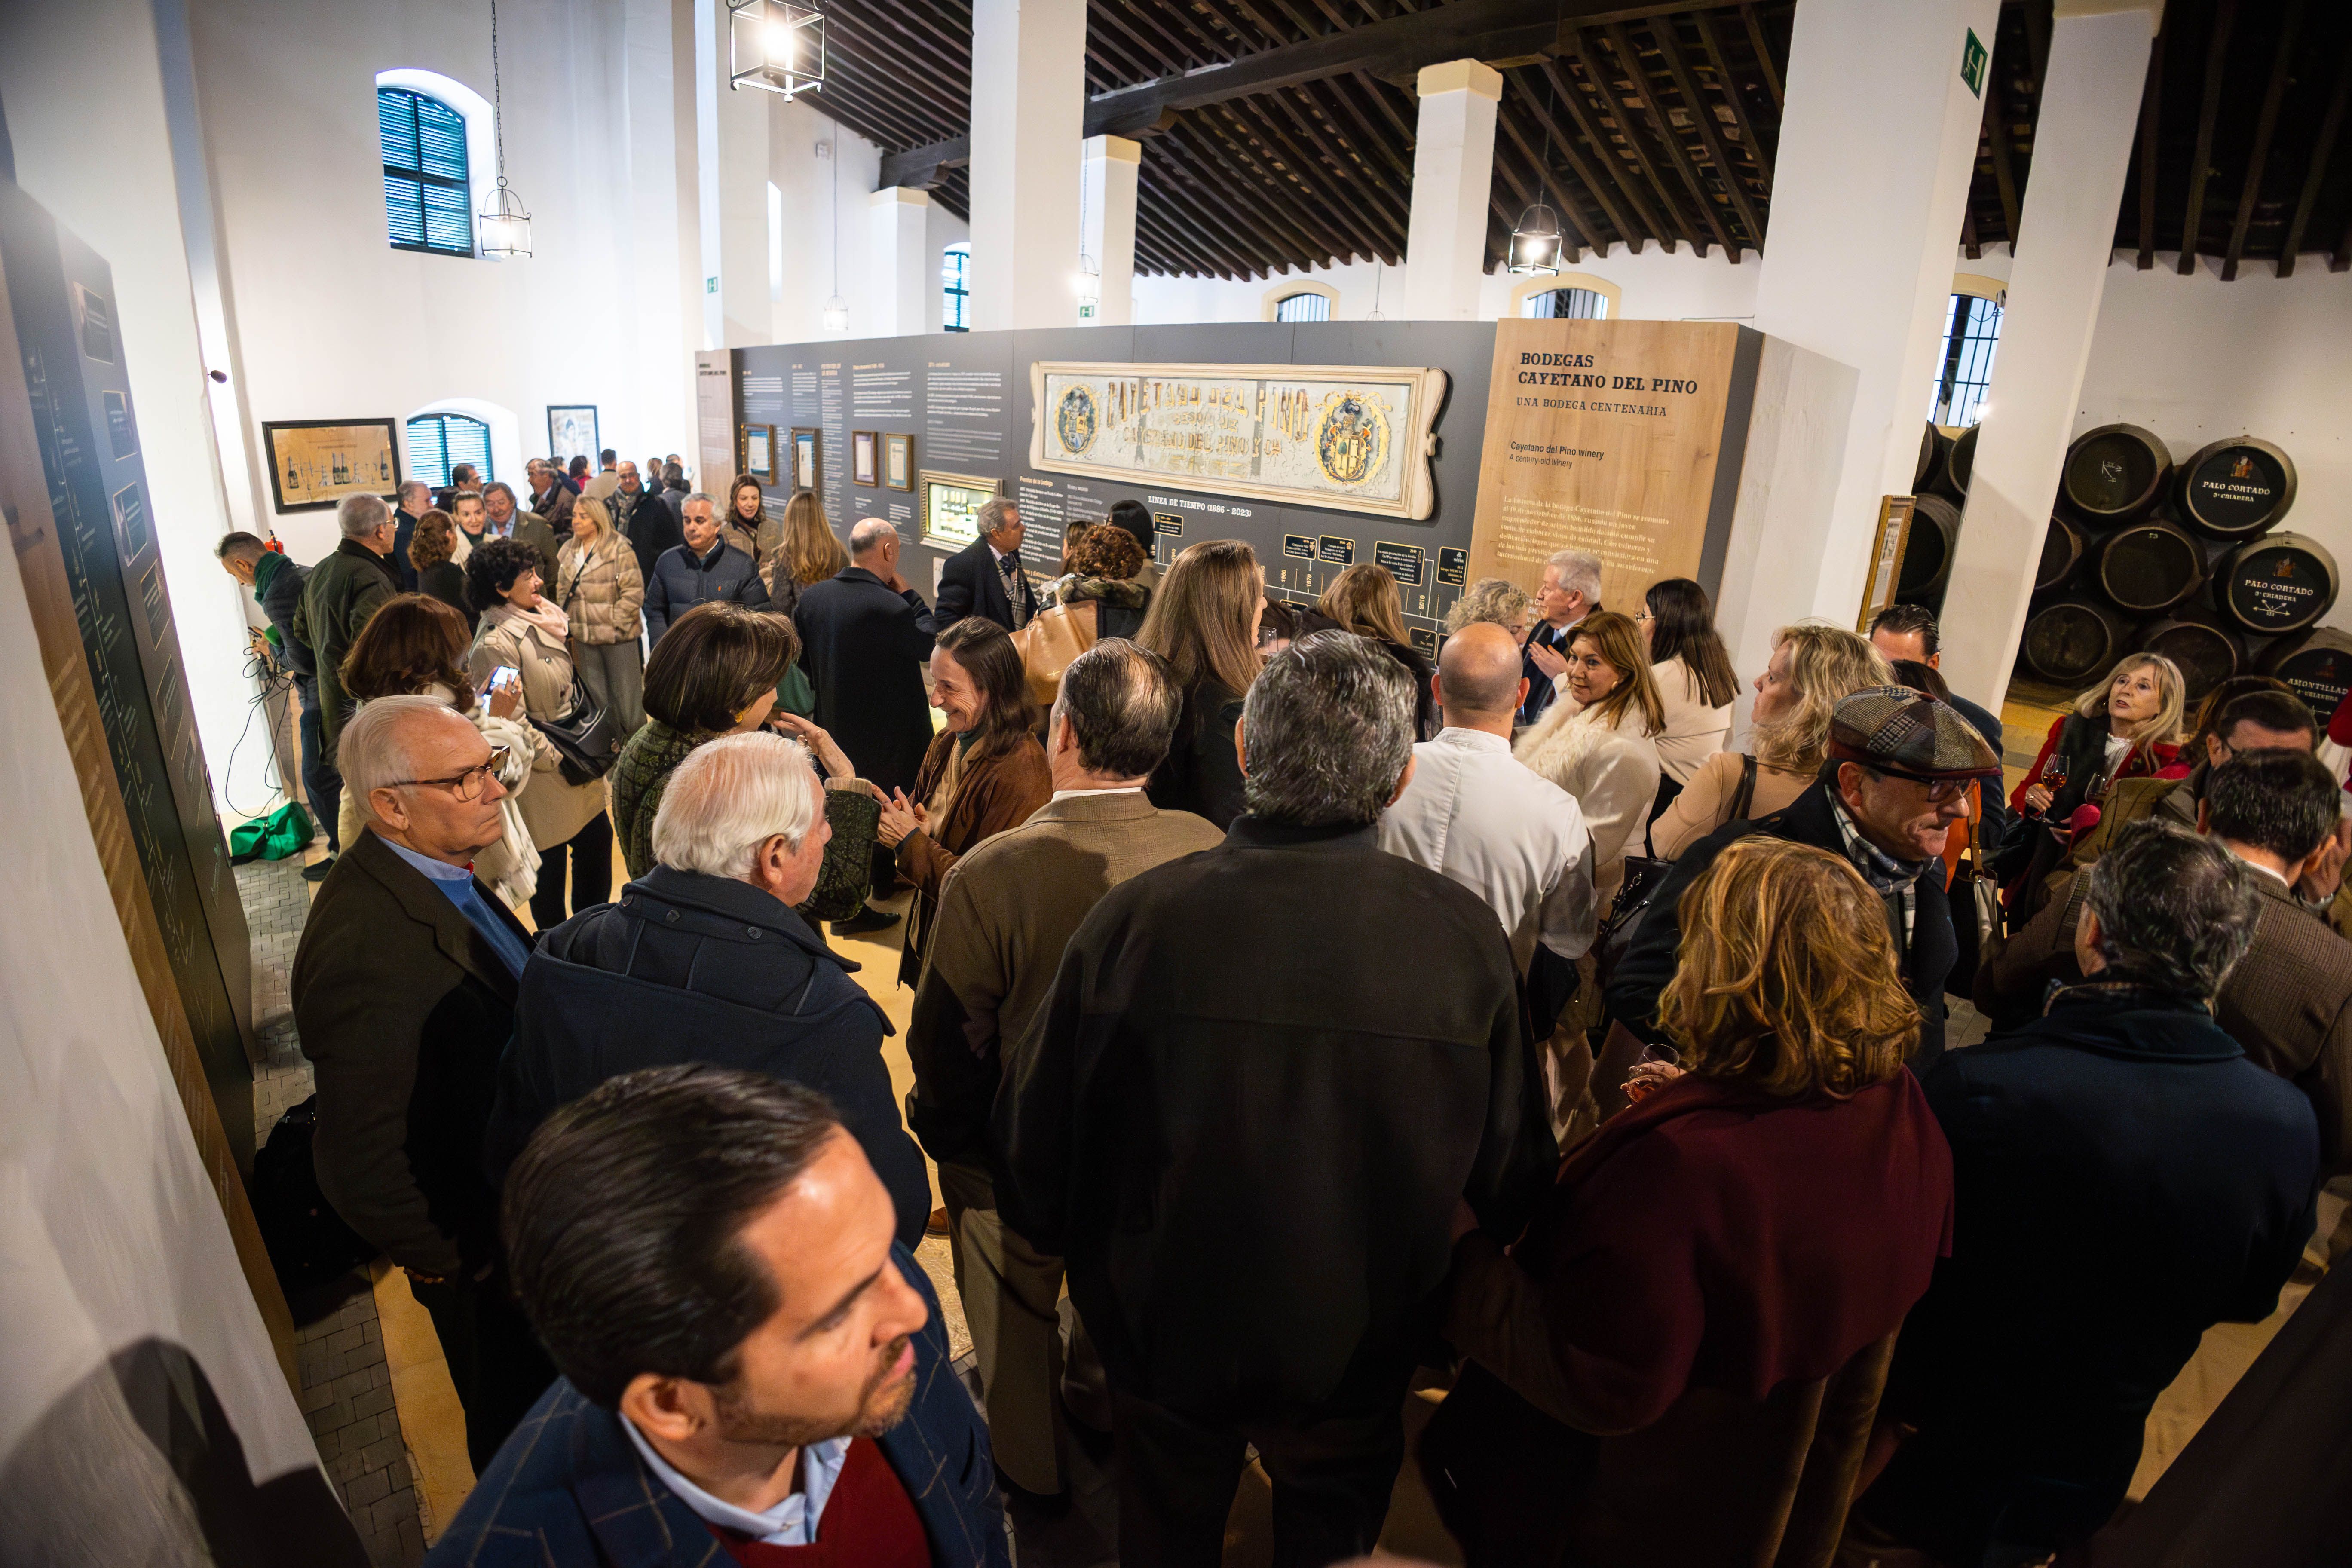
(951, 508)
(571, 432)
(314, 463)
(808, 457)
(865, 458)
(898, 462)
(759, 452)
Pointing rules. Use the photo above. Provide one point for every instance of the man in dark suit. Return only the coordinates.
(644, 520)
(1571, 590)
(404, 993)
(1247, 1118)
(414, 497)
(985, 578)
(864, 635)
(751, 1366)
(1891, 793)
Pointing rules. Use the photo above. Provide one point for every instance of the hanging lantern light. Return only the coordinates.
(1535, 242)
(505, 224)
(775, 46)
(837, 315)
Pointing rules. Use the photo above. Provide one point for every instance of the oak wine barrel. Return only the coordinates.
(2318, 664)
(2207, 649)
(1933, 447)
(2062, 552)
(2114, 473)
(1927, 553)
(2151, 566)
(1961, 460)
(2237, 490)
(2277, 585)
(2072, 642)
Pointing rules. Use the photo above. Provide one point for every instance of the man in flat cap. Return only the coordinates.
(1895, 787)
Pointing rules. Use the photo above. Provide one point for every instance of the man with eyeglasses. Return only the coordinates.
(403, 994)
(1893, 790)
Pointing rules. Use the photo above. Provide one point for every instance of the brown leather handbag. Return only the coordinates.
(1049, 642)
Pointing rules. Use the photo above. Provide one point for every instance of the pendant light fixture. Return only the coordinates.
(1087, 282)
(506, 226)
(774, 46)
(836, 309)
(1374, 314)
(1535, 240)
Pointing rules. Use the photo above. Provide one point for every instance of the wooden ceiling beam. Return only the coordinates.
(1651, 225)
(1729, 80)
(1702, 113)
(1969, 242)
(1594, 183)
(1239, 226)
(1755, 25)
(1181, 53)
(917, 36)
(1208, 235)
(1356, 218)
(1996, 128)
(1384, 208)
(2151, 105)
(2258, 157)
(1637, 78)
(1288, 175)
(2331, 126)
(1285, 211)
(2216, 52)
(1366, 136)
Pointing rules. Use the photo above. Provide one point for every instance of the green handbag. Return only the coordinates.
(795, 693)
(284, 833)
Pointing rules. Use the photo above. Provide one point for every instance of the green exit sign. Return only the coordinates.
(711, 284)
(1973, 56)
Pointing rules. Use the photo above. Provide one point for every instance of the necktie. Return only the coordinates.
(1016, 593)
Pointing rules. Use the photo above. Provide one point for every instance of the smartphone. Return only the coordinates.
(503, 676)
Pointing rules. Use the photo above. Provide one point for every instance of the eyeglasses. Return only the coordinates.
(465, 787)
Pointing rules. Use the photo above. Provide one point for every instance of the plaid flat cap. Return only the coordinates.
(1908, 733)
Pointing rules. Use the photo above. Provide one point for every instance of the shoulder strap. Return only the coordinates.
(1746, 794)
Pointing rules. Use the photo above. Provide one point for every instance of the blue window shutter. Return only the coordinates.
(468, 441)
(427, 195)
(428, 458)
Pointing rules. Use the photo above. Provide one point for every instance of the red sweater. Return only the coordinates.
(868, 1522)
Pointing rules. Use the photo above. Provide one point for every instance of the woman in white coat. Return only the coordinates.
(1601, 748)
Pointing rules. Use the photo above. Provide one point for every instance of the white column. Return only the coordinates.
(2082, 148)
(1108, 201)
(731, 147)
(1453, 172)
(904, 276)
(1028, 115)
(1876, 150)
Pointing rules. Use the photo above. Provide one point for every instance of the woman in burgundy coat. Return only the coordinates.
(1678, 1363)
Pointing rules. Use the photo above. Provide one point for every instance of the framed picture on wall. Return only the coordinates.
(314, 463)
(865, 458)
(572, 433)
(898, 462)
(759, 452)
(808, 457)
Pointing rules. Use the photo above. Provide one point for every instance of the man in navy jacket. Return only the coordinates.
(750, 1364)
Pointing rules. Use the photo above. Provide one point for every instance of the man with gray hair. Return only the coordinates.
(703, 959)
(865, 634)
(2126, 1178)
(985, 577)
(1006, 913)
(403, 991)
(343, 592)
(1265, 1078)
(414, 498)
(705, 569)
(1571, 590)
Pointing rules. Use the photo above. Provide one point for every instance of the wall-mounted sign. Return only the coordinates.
(1352, 437)
(1335, 551)
(1404, 561)
(1453, 568)
(314, 463)
(1298, 546)
(1168, 523)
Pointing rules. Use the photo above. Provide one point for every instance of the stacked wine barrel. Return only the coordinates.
(2187, 560)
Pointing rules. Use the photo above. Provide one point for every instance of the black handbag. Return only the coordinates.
(587, 738)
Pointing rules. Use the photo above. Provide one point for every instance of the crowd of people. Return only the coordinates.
(1325, 1020)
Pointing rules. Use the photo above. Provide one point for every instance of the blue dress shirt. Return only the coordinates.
(456, 885)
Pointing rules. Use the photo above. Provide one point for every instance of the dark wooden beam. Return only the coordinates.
(2151, 105)
(1702, 113)
(1378, 205)
(1564, 144)
(1755, 25)
(2331, 125)
(1637, 77)
(2216, 52)
(1732, 96)
(1996, 128)
(2258, 157)
(1969, 232)
(1580, 110)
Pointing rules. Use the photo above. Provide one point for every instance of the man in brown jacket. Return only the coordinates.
(2288, 1003)
(1006, 912)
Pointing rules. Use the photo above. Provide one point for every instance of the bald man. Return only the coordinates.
(865, 634)
(1474, 813)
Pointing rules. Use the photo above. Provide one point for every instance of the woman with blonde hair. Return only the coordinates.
(602, 597)
(1203, 621)
(1364, 599)
(1714, 1284)
(797, 550)
(1813, 665)
(2126, 727)
(1497, 600)
(1596, 743)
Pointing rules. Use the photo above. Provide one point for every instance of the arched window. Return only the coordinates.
(427, 190)
(955, 288)
(1303, 308)
(1964, 368)
(439, 442)
(1567, 305)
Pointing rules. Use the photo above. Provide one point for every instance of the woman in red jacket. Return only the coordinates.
(1710, 1297)
(2128, 727)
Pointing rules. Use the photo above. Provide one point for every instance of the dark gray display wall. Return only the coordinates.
(964, 398)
